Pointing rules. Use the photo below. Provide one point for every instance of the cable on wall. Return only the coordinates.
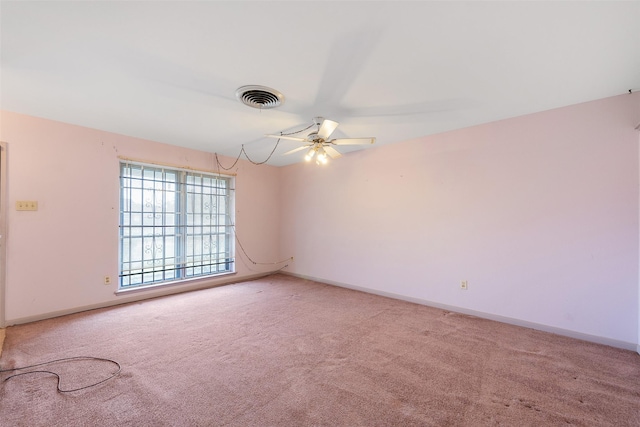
(256, 262)
(235, 234)
(219, 165)
(243, 151)
(64, 359)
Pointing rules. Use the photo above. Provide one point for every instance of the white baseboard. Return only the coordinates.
(509, 320)
(160, 292)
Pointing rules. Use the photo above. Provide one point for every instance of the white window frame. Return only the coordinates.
(173, 230)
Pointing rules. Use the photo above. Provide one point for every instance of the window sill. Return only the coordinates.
(175, 283)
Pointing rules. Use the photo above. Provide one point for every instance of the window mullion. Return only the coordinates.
(201, 227)
(182, 220)
(163, 225)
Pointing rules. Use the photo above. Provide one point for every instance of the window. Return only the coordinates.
(175, 224)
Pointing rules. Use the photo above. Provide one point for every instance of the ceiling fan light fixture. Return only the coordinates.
(321, 158)
(318, 144)
(310, 154)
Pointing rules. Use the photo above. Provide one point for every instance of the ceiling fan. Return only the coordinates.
(318, 144)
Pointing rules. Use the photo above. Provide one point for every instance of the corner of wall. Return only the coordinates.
(638, 129)
(637, 113)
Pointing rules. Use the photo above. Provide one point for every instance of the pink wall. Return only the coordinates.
(58, 256)
(539, 213)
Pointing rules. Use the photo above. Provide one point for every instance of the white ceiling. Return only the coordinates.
(168, 71)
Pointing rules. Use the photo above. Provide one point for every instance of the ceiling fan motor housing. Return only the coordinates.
(313, 137)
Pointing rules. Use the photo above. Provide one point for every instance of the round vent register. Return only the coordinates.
(261, 97)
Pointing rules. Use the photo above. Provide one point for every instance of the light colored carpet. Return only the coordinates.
(282, 351)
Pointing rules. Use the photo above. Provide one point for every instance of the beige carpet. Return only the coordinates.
(281, 351)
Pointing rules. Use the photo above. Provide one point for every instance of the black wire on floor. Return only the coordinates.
(65, 359)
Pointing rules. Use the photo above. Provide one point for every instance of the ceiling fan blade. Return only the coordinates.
(292, 138)
(353, 141)
(417, 110)
(332, 152)
(296, 150)
(327, 128)
(347, 59)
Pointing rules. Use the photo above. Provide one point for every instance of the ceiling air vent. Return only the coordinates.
(261, 97)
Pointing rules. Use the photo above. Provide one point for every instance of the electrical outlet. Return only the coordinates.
(26, 205)
(464, 285)
(107, 280)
